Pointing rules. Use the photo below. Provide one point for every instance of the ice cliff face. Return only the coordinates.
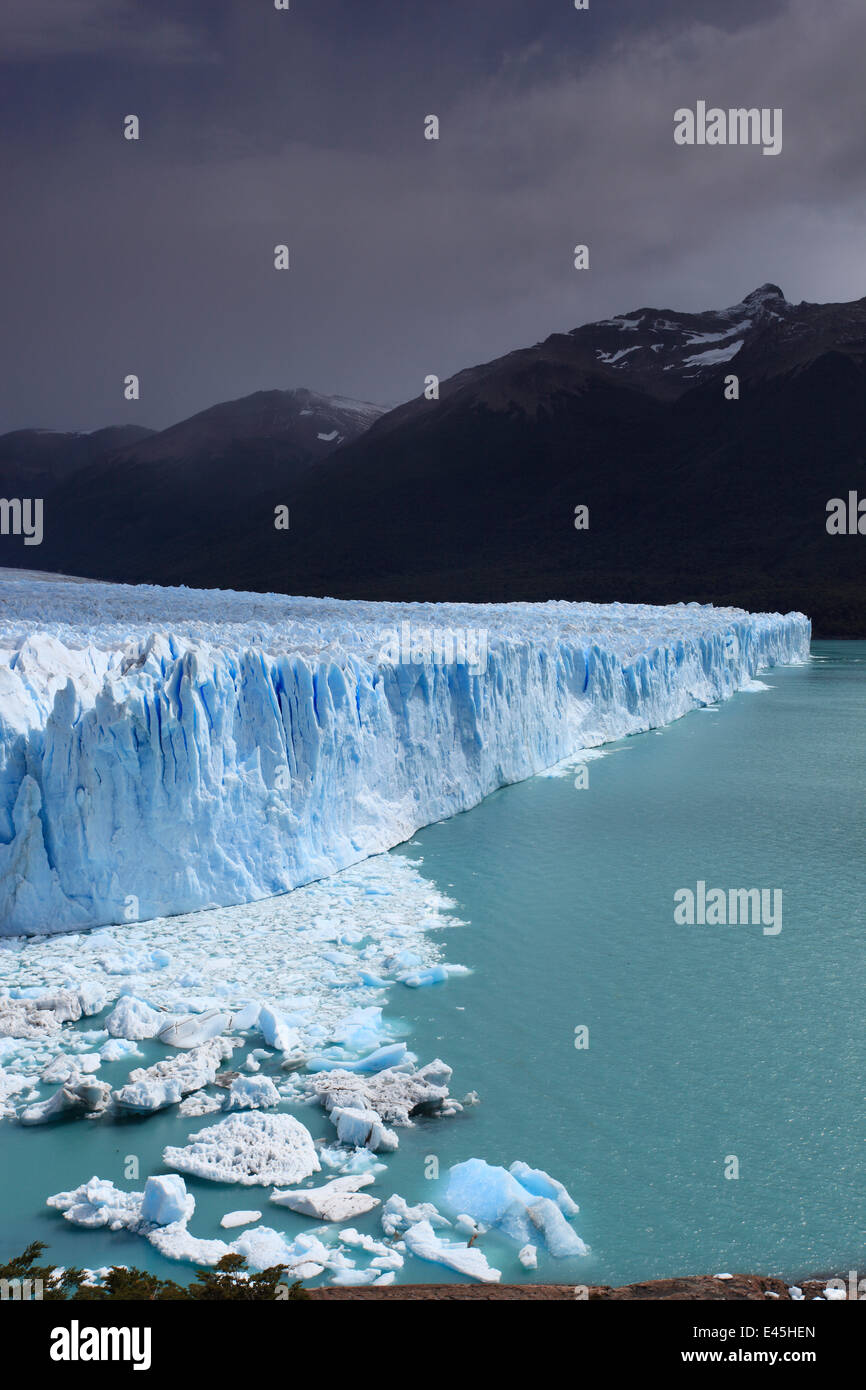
(164, 750)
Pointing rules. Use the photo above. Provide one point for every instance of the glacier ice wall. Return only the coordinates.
(164, 750)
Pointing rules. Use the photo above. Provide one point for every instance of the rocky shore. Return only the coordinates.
(742, 1287)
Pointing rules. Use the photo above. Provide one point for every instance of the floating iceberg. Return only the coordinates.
(338, 1200)
(268, 1150)
(275, 1030)
(398, 1216)
(495, 1197)
(166, 1200)
(167, 1082)
(163, 1202)
(81, 1096)
(363, 1129)
(239, 1218)
(34, 1013)
(99, 1203)
(279, 740)
(251, 1093)
(394, 1094)
(197, 1029)
(379, 1060)
(423, 1242)
(134, 1020)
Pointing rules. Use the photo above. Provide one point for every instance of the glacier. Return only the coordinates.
(168, 750)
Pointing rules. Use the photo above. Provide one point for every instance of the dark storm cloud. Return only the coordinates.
(44, 29)
(408, 256)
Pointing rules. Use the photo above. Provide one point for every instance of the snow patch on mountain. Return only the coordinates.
(714, 355)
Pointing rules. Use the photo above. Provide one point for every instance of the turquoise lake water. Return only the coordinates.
(705, 1042)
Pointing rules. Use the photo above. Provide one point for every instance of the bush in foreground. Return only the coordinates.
(228, 1280)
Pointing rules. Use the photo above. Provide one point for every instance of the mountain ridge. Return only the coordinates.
(472, 496)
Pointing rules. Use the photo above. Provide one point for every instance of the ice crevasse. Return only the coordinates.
(165, 750)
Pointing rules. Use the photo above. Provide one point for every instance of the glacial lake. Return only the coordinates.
(707, 1044)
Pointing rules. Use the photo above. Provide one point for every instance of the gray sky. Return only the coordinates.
(408, 256)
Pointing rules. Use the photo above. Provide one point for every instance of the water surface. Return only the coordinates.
(706, 1043)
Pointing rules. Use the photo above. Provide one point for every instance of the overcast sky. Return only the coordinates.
(408, 256)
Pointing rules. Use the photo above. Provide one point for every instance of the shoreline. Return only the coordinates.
(691, 1287)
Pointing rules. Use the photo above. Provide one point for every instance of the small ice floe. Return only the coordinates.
(251, 1093)
(394, 1094)
(251, 1149)
(176, 1242)
(306, 1256)
(433, 975)
(356, 1278)
(385, 1257)
(528, 1257)
(166, 1200)
(99, 1203)
(833, 1294)
(96, 1203)
(239, 1218)
(199, 1103)
(12, 1083)
(723, 1276)
(276, 1030)
(574, 761)
(32, 1012)
(195, 1029)
(379, 1060)
(66, 1068)
(168, 1081)
(361, 1029)
(522, 1202)
(339, 1199)
(94, 1278)
(350, 1161)
(796, 1292)
(423, 1242)
(117, 1049)
(134, 1019)
(398, 1216)
(81, 1096)
(363, 1129)
(22, 1019)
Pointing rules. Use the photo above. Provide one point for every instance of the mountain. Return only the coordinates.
(666, 352)
(298, 421)
(154, 505)
(34, 461)
(691, 496)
